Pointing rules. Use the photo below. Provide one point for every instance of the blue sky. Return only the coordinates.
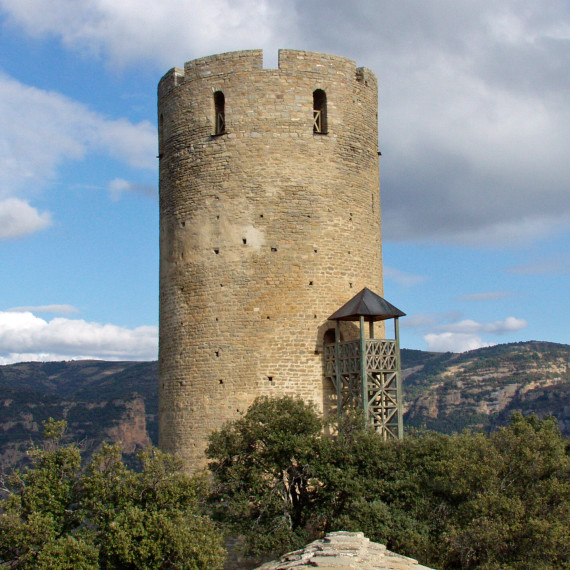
(474, 119)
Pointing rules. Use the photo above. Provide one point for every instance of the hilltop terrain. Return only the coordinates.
(480, 389)
(118, 401)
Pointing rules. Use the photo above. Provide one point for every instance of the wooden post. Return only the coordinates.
(363, 372)
(398, 380)
(337, 368)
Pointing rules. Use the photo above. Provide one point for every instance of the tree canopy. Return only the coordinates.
(56, 514)
(462, 501)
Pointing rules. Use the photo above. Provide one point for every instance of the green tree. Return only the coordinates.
(262, 466)
(57, 515)
(461, 501)
(512, 492)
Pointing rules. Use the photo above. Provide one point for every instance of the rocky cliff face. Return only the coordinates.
(101, 401)
(481, 388)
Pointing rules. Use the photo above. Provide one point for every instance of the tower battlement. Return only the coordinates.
(247, 61)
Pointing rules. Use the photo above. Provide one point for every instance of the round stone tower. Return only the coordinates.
(269, 222)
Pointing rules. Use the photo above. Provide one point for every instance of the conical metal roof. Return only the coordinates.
(369, 305)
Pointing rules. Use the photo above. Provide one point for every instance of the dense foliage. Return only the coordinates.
(56, 514)
(461, 501)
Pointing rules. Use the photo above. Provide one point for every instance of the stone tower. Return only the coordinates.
(269, 221)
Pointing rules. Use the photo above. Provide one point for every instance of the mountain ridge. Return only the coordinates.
(118, 401)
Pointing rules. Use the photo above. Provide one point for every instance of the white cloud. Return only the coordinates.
(40, 130)
(58, 309)
(444, 332)
(469, 326)
(403, 278)
(161, 30)
(474, 114)
(18, 218)
(24, 336)
(454, 342)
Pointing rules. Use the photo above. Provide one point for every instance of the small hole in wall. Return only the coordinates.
(218, 217)
(268, 317)
(217, 353)
(182, 289)
(273, 249)
(244, 241)
(314, 316)
(181, 383)
(270, 378)
(216, 251)
(261, 215)
(183, 223)
(220, 381)
(217, 319)
(237, 410)
(315, 250)
(221, 284)
(310, 283)
(350, 285)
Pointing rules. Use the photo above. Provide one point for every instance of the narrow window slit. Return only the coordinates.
(220, 113)
(319, 112)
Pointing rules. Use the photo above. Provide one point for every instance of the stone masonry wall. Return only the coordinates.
(264, 232)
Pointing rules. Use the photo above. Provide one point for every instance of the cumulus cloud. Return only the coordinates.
(454, 342)
(469, 326)
(445, 332)
(162, 30)
(18, 218)
(24, 336)
(474, 115)
(39, 130)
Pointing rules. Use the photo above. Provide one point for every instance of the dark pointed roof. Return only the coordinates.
(369, 305)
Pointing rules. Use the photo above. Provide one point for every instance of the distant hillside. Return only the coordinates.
(117, 401)
(481, 388)
(101, 401)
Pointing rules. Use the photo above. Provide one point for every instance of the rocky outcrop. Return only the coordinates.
(130, 430)
(343, 551)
